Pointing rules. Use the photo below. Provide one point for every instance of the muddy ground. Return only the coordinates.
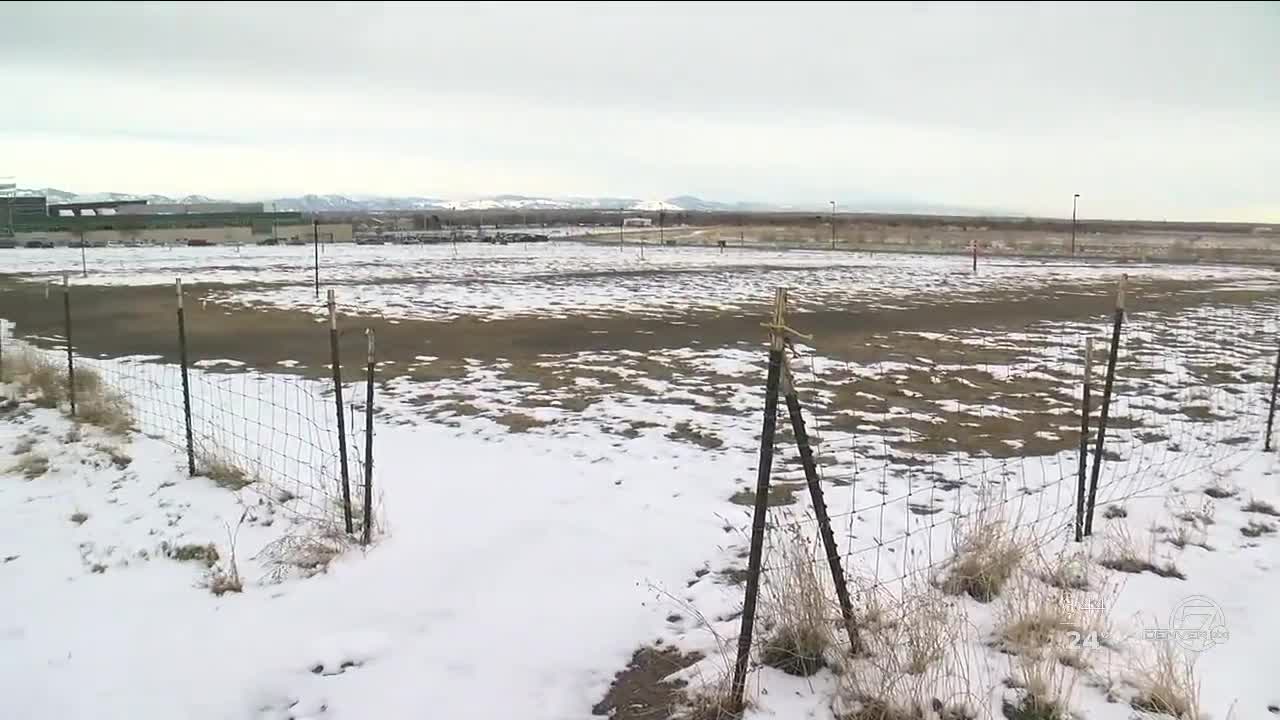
(110, 321)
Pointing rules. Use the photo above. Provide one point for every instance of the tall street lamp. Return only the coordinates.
(1074, 198)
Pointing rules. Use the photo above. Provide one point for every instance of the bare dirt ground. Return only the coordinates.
(141, 320)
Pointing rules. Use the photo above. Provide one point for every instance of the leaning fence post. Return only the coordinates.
(1106, 406)
(186, 383)
(1271, 411)
(337, 398)
(368, 445)
(819, 506)
(71, 361)
(1084, 438)
(758, 517)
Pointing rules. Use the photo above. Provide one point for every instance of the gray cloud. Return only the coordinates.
(1157, 109)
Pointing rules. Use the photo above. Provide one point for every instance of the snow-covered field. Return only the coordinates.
(539, 522)
(569, 279)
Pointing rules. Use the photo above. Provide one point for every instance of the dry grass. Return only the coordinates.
(1257, 529)
(38, 374)
(1115, 512)
(799, 613)
(1046, 689)
(104, 407)
(118, 457)
(916, 651)
(223, 468)
(1031, 615)
(223, 579)
(1166, 684)
(303, 555)
(713, 701)
(46, 382)
(31, 466)
(987, 551)
(1065, 571)
(1037, 621)
(1262, 507)
(206, 554)
(1125, 554)
(24, 445)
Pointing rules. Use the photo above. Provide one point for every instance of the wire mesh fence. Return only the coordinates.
(277, 433)
(931, 434)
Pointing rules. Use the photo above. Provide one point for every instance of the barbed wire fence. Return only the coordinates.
(284, 436)
(932, 432)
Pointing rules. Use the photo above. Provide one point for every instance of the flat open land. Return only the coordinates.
(567, 439)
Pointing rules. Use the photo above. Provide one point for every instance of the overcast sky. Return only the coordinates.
(1154, 111)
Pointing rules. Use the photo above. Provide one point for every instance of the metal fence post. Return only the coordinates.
(1271, 410)
(1106, 406)
(758, 517)
(315, 238)
(186, 383)
(819, 506)
(71, 361)
(368, 446)
(337, 399)
(1084, 438)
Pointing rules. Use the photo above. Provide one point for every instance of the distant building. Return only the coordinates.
(137, 222)
(637, 222)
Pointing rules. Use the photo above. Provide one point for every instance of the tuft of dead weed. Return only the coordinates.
(1166, 684)
(915, 652)
(303, 555)
(1124, 554)
(1257, 529)
(987, 552)
(206, 554)
(31, 466)
(1261, 507)
(225, 470)
(47, 383)
(798, 610)
(104, 407)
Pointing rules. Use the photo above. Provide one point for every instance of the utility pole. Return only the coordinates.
(1074, 198)
(833, 224)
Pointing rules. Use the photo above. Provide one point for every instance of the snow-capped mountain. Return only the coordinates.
(379, 203)
(363, 204)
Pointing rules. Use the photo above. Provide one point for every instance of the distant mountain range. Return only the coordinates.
(381, 203)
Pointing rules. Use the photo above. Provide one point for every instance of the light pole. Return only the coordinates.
(1074, 198)
(833, 224)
